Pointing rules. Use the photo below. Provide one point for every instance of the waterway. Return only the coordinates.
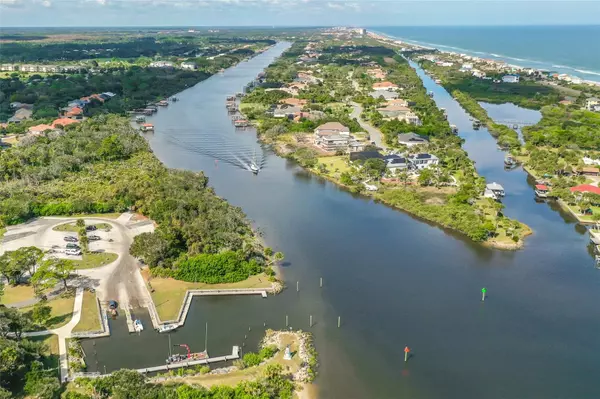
(394, 280)
(512, 115)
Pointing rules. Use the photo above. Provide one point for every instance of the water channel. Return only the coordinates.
(394, 280)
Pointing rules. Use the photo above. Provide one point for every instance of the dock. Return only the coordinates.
(235, 354)
(130, 325)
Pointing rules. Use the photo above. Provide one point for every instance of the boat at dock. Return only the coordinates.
(147, 127)
(476, 124)
(437, 81)
(454, 129)
(162, 103)
(496, 188)
(140, 119)
(138, 326)
(241, 123)
(541, 191)
(510, 162)
(163, 328)
(430, 94)
(230, 98)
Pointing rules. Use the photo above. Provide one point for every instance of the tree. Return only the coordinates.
(26, 258)
(41, 312)
(80, 223)
(11, 269)
(278, 257)
(152, 248)
(426, 177)
(268, 251)
(85, 242)
(1, 290)
(12, 321)
(52, 271)
(40, 383)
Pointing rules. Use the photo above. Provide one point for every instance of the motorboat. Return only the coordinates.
(254, 168)
(138, 326)
(163, 328)
(541, 190)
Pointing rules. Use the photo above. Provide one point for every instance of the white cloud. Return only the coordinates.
(11, 3)
(46, 3)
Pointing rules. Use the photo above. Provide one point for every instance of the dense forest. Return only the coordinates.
(145, 46)
(104, 165)
(562, 126)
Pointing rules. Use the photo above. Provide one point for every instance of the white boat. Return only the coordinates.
(163, 328)
(253, 166)
(138, 326)
(541, 190)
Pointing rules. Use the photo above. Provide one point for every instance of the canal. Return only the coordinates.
(394, 280)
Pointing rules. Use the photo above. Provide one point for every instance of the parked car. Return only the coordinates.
(94, 238)
(73, 246)
(91, 228)
(71, 239)
(73, 252)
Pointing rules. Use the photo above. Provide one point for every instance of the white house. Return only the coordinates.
(478, 74)
(395, 163)
(189, 65)
(332, 128)
(333, 142)
(161, 64)
(466, 67)
(591, 104)
(510, 78)
(422, 161)
(412, 139)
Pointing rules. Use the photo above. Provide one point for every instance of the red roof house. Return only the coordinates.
(586, 188)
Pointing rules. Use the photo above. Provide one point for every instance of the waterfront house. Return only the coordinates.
(589, 171)
(333, 142)
(496, 188)
(412, 139)
(401, 113)
(389, 86)
(423, 161)
(364, 155)
(395, 163)
(585, 188)
(286, 111)
(512, 78)
(397, 101)
(189, 65)
(8, 67)
(478, 74)
(332, 128)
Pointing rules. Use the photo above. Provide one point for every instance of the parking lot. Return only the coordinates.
(119, 280)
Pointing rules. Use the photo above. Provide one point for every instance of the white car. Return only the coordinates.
(73, 251)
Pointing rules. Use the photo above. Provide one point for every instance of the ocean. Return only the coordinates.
(574, 50)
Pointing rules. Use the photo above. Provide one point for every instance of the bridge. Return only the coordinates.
(512, 122)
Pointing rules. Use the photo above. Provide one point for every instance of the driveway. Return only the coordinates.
(374, 133)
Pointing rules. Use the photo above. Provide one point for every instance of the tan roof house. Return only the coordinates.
(385, 86)
(332, 128)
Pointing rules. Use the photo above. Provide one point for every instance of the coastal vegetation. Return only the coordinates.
(447, 195)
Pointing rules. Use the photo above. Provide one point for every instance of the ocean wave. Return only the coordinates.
(586, 71)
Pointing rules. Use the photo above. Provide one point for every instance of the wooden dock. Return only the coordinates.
(235, 354)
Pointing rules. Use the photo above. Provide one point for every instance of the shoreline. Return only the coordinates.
(496, 57)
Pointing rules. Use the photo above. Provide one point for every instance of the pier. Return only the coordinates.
(235, 354)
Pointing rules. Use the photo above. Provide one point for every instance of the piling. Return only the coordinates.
(321, 282)
(310, 321)
(406, 352)
(297, 286)
(286, 320)
(483, 291)
(339, 321)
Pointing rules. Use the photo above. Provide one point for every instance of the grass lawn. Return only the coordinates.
(91, 260)
(16, 294)
(89, 314)
(337, 162)
(168, 293)
(73, 228)
(576, 210)
(62, 310)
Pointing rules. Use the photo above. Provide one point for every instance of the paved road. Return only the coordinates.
(375, 133)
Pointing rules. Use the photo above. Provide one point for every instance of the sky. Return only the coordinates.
(58, 13)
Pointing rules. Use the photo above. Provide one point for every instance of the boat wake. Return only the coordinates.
(221, 149)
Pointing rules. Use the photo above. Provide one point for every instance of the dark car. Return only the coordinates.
(94, 238)
(71, 239)
(91, 228)
(72, 246)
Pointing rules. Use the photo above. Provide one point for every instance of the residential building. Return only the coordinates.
(385, 86)
(422, 161)
(510, 78)
(28, 68)
(49, 68)
(466, 67)
(8, 67)
(296, 102)
(585, 188)
(478, 74)
(22, 114)
(397, 101)
(376, 73)
(189, 65)
(592, 103)
(39, 129)
(332, 128)
(333, 142)
(161, 64)
(63, 122)
(395, 163)
(387, 95)
(286, 111)
(412, 139)
(401, 113)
